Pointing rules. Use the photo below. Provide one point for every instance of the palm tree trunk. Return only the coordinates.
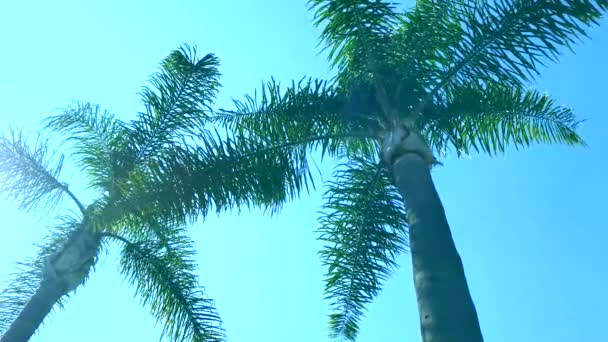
(63, 272)
(447, 312)
(34, 312)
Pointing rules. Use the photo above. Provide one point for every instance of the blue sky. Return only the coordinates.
(529, 225)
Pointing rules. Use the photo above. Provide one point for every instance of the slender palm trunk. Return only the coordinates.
(64, 271)
(447, 312)
(34, 312)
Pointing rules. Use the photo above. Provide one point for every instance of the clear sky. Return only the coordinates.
(529, 225)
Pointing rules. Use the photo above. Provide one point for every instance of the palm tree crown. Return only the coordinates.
(125, 164)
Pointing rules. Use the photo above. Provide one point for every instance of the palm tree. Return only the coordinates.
(135, 201)
(441, 76)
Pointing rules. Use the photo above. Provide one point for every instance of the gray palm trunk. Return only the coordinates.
(446, 309)
(34, 312)
(447, 312)
(64, 271)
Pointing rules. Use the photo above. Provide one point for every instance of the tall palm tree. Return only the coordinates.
(136, 205)
(442, 76)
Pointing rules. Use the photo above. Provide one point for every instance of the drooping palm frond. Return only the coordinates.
(94, 135)
(308, 107)
(222, 173)
(491, 117)
(282, 127)
(26, 280)
(353, 28)
(363, 227)
(27, 174)
(503, 40)
(158, 261)
(177, 104)
(310, 113)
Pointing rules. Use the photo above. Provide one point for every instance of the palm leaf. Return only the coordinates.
(349, 26)
(160, 265)
(423, 36)
(178, 103)
(27, 174)
(309, 113)
(491, 117)
(503, 40)
(221, 174)
(95, 136)
(363, 226)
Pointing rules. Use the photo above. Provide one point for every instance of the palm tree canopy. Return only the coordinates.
(457, 72)
(142, 172)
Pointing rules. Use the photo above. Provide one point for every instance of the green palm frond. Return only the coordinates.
(220, 174)
(491, 117)
(26, 280)
(27, 174)
(178, 102)
(503, 40)
(351, 26)
(94, 135)
(424, 35)
(159, 264)
(283, 126)
(309, 113)
(363, 226)
(309, 106)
